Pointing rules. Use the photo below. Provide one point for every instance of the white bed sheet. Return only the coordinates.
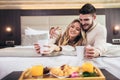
(17, 63)
(9, 64)
(112, 50)
(112, 65)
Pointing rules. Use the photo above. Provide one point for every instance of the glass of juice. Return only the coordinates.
(37, 71)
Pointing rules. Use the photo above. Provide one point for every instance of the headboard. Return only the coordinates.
(43, 23)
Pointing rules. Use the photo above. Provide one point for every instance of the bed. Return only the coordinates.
(10, 62)
(21, 57)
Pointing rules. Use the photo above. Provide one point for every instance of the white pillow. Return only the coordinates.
(28, 40)
(30, 31)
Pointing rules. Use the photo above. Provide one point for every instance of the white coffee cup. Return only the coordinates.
(43, 45)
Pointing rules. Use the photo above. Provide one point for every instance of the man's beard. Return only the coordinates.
(89, 26)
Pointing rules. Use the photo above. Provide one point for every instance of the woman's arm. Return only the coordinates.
(55, 32)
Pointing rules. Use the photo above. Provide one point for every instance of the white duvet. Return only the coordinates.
(18, 52)
(20, 58)
(112, 50)
(25, 51)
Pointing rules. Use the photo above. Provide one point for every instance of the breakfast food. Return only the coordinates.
(35, 71)
(88, 70)
(27, 74)
(46, 70)
(64, 70)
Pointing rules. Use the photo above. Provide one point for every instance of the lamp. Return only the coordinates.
(9, 33)
(9, 30)
(116, 29)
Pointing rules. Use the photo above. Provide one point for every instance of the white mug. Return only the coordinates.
(43, 45)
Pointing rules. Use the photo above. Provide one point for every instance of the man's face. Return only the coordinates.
(86, 21)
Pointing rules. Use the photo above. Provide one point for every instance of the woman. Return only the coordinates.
(72, 37)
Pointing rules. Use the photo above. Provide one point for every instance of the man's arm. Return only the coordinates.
(99, 40)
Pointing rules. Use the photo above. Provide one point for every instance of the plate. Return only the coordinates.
(52, 54)
(60, 77)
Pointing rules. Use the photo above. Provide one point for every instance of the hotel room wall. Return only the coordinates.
(112, 19)
(12, 17)
(45, 22)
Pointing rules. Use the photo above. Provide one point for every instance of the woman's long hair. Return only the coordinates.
(64, 39)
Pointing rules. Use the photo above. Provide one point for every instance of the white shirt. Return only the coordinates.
(97, 37)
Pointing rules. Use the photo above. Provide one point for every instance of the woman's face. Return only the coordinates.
(74, 30)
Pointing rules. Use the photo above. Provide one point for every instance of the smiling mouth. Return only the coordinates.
(72, 32)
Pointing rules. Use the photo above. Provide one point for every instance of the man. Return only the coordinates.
(95, 33)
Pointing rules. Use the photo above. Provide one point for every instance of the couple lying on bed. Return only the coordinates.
(72, 37)
(83, 32)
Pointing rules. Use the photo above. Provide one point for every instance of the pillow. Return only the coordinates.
(28, 40)
(30, 31)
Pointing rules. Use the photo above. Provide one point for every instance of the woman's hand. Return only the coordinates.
(54, 32)
(50, 48)
(46, 49)
(37, 48)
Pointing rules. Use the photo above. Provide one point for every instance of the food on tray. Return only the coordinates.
(27, 74)
(74, 75)
(46, 70)
(89, 74)
(35, 71)
(64, 70)
(88, 70)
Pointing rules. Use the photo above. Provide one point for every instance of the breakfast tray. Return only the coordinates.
(100, 77)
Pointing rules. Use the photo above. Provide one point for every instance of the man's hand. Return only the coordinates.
(91, 52)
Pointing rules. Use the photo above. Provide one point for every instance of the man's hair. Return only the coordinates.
(87, 9)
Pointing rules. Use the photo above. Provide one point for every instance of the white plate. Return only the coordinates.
(52, 54)
(60, 77)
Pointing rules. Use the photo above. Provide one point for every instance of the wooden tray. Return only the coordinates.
(101, 77)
